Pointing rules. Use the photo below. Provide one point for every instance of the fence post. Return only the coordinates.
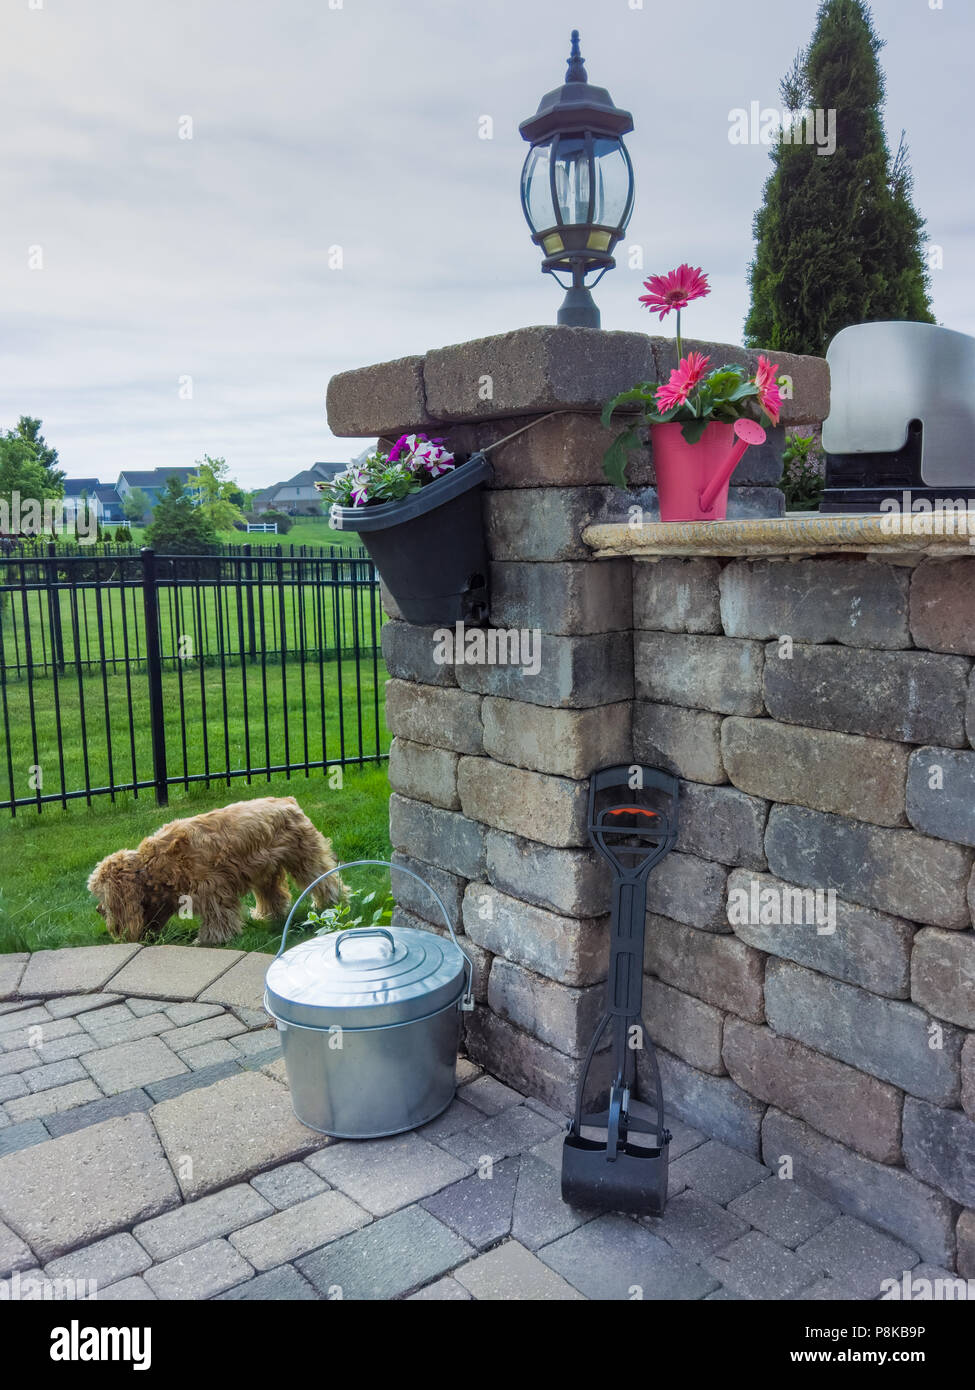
(157, 726)
(54, 610)
(249, 596)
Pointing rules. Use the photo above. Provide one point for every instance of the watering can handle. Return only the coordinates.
(747, 433)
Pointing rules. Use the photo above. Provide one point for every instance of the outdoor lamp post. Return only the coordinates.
(577, 185)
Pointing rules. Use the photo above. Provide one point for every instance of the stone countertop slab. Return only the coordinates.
(800, 533)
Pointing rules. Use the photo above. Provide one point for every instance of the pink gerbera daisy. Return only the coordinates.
(674, 291)
(767, 381)
(683, 379)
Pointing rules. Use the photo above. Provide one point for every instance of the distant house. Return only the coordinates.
(109, 502)
(298, 496)
(79, 497)
(152, 482)
(88, 493)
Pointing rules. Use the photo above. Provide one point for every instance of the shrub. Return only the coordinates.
(804, 478)
(180, 527)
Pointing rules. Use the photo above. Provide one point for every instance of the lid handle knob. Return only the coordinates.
(359, 933)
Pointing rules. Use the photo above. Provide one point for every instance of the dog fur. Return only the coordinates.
(213, 860)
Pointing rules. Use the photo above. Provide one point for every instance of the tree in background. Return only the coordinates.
(839, 239)
(180, 526)
(28, 466)
(29, 429)
(217, 492)
(136, 506)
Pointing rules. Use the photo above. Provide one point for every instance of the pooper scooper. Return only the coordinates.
(633, 824)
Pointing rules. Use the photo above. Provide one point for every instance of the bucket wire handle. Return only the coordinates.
(467, 1004)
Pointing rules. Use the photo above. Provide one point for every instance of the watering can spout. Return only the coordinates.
(747, 433)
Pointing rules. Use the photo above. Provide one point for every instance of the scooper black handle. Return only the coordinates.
(624, 991)
(644, 777)
(634, 839)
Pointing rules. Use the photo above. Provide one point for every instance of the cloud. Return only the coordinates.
(357, 126)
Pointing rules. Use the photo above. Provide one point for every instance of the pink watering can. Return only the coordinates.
(693, 479)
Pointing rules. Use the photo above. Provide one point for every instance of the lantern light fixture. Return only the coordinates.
(577, 185)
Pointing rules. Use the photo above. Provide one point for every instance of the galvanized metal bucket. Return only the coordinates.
(370, 1022)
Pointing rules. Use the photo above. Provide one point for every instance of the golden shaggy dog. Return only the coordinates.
(209, 862)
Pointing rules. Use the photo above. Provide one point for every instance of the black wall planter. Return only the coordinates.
(430, 548)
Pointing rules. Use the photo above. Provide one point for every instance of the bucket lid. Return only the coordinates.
(365, 978)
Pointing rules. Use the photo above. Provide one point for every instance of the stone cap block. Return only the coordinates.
(378, 400)
(531, 371)
(534, 370)
(810, 376)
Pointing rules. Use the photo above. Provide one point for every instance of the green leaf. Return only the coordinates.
(723, 384)
(694, 430)
(638, 395)
(614, 464)
(616, 456)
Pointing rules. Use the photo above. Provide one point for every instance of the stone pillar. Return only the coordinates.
(490, 763)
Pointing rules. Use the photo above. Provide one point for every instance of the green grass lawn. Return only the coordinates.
(221, 719)
(308, 532)
(304, 531)
(47, 859)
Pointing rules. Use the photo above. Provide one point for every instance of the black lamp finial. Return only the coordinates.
(576, 71)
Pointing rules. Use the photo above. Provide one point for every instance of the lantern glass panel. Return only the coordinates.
(536, 190)
(614, 183)
(572, 180)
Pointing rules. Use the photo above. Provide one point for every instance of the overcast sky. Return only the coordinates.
(173, 265)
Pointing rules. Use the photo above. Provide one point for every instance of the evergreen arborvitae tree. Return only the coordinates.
(839, 239)
(179, 526)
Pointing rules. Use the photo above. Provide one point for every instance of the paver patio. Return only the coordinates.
(147, 1143)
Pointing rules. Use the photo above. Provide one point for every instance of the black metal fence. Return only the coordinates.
(15, 549)
(135, 671)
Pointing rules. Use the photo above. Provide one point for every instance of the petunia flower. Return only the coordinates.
(674, 291)
(360, 487)
(439, 461)
(434, 459)
(406, 443)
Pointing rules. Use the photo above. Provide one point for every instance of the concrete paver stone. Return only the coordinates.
(229, 1131)
(173, 972)
(72, 1191)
